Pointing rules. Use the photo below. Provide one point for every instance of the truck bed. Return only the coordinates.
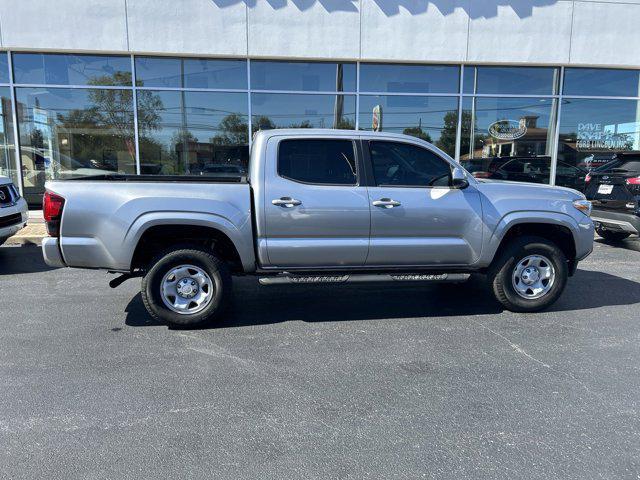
(104, 219)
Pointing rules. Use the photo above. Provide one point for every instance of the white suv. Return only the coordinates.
(13, 209)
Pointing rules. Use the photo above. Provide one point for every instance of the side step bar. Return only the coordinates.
(364, 278)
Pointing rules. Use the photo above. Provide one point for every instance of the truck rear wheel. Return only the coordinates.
(186, 287)
(529, 275)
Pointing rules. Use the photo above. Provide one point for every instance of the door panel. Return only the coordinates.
(417, 218)
(431, 226)
(311, 225)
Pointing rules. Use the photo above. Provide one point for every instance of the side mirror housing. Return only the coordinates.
(459, 179)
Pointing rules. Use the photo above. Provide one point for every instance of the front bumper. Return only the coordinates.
(616, 221)
(20, 207)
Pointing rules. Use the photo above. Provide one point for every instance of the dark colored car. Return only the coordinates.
(534, 170)
(614, 190)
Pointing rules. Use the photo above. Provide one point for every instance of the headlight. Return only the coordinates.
(584, 206)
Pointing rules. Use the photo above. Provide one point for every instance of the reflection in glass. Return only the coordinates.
(68, 69)
(283, 110)
(469, 79)
(592, 131)
(7, 142)
(193, 133)
(377, 77)
(515, 80)
(434, 119)
(73, 132)
(191, 73)
(303, 76)
(600, 81)
(4, 67)
(509, 138)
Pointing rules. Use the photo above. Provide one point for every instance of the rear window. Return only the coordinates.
(318, 161)
(632, 166)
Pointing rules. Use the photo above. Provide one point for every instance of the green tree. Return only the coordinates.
(417, 132)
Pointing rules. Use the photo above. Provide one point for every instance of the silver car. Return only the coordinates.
(13, 210)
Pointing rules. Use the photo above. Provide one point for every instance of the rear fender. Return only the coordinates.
(241, 236)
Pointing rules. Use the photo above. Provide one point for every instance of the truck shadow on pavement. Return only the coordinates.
(632, 244)
(22, 259)
(256, 305)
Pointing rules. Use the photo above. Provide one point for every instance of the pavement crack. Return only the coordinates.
(518, 349)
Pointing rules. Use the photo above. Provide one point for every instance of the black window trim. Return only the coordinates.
(369, 163)
(356, 156)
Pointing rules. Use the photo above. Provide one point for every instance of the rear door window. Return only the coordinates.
(318, 161)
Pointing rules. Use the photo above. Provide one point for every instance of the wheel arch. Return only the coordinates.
(557, 228)
(148, 236)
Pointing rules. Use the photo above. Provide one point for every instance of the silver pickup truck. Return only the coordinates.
(319, 206)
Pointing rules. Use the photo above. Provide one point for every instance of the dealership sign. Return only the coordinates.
(596, 136)
(507, 129)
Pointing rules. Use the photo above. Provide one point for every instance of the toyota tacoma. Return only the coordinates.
(319, 206)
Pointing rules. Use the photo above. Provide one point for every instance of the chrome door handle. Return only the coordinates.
(386, 203)
(286, 202)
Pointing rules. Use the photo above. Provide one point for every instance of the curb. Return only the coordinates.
(30, 235)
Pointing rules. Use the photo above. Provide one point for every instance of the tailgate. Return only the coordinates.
(609, 190)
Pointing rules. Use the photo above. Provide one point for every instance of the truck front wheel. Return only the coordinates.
(186, 287)
(529, 275)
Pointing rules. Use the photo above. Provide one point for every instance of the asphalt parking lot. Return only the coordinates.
(361, 381)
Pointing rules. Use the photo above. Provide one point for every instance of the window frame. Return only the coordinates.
(372, 182)
(357, 156)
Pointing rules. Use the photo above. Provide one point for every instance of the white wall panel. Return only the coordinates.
(304, 28)
(64, 24)
(188, 26)
(415, 30)
(520, 31)
(606, 34)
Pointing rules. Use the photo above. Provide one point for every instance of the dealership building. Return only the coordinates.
(530, 90)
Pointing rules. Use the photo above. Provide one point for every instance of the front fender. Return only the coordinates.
(581, 229)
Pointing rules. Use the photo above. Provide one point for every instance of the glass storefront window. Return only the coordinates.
(282, 110)
(7, 141)
(4, 67)
(434, 119)
(509, 138)
(193, 133)
(159, 72)
(303, 76)
(72, 132)
(592, 131)
(63, 69)
(601, 82)
(377, 77)
(513, 80)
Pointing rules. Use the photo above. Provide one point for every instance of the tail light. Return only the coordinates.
(52, 206)
(633, 181)
(587, 179)
(481, 174)
(634, 185)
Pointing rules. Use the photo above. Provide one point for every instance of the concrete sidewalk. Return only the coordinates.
(33, 233)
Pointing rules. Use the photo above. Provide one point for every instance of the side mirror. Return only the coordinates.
(459, 179)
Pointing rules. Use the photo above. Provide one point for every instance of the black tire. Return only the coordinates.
(500, 275)
(215, 268)
(611, 235)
